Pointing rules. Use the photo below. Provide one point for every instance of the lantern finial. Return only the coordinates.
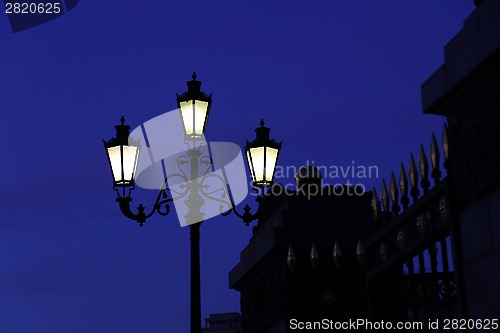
(262, 123)
(194, 87)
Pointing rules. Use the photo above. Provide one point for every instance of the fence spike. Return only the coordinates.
(413, 175)
(375, 205)
(423, 165)
(360, 253)
(385, 197)
(337, 255)
(290, 259)
(314, 257)
(435, 157)
(445, 146)
(394, 194)
(403, 186)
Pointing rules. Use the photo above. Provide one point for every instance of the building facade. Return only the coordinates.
(466, 90)
(289, 270)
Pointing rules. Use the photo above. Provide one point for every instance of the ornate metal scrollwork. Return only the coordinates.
(160, 206)
(327, 297)
(443, 207)
(421, 223)
(210, 194)
(182, 160)
(447, 289)
(247, 216)
(424, 291)
(198, 188)
(383, 251)
(206, 160)
(401, 238)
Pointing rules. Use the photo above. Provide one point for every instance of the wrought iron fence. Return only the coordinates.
(412, 271)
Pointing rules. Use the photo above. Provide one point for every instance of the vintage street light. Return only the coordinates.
(194, 106)
(123, 153)
(262, 154)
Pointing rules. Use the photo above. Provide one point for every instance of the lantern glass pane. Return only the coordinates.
(250, 165)
(257, 155)
(271, 157)
(200, 114)
(130, 154)
(187, 116)
(115, 161)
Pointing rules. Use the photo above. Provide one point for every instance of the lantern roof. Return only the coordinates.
(122, 136)
(194, 92)
(262, 138)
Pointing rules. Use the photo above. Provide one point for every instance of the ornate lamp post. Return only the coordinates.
(194, 107)
(123, 153)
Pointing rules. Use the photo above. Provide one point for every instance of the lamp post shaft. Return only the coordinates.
(194, 231)
(194, 217)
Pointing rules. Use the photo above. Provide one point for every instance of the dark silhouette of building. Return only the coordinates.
(466, 90)
(339, 256)
(313, 284)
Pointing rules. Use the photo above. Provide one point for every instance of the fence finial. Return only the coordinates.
(375, 205)
(314, 257)
(393, 188)
(423, 165)
(360, 254)
(403, 186)
(445, 146)
(385, 198)
(337, 255)
(435, 157)
(413, 175)
(290, 259)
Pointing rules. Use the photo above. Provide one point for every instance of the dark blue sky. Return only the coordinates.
(337, 81)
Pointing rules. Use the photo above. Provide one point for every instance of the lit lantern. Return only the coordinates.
(194, 106)
(262, 155)
(123, 154)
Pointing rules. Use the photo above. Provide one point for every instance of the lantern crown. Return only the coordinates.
(194, 92)
(122, 137)
(262, 138)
